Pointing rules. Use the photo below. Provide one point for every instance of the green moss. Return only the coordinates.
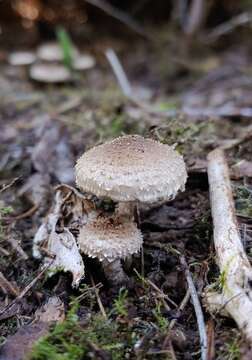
(4, 210)
(243, 200)
(120, 304)
(190, 137)
(116, 125)
(161, 321)
(72, 341)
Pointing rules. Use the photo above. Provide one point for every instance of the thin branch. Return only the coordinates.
(7, 286)
(127, 88)
(195, 17)
(25, 290)
(197, 308)
(96, 290)
(120, 16)
(246, 135)
(229, 26)
(180, 308)
(7, 186)
(119, 72)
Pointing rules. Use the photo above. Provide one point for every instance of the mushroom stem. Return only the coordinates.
(114, 272)
(126, 209)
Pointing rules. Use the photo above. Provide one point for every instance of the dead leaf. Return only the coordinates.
(60, 245)
(53, 310)
(20, 344)
(53, 154)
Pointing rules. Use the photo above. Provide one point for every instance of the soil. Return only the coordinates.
(45, 128)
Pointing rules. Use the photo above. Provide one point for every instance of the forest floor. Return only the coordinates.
(45, 128)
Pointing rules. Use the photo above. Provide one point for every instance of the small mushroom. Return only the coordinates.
(83, 62)
(21, 58)
(110, 238)
(50, 73)
(131, 169)
(52, 52)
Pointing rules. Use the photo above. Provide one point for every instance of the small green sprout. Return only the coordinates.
(66, 45)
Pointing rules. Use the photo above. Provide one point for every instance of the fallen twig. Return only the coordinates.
(119, 72)
(197, 308)
(7, 287)
(210, 340)
(24, 291)
(236, 272)
(180, 308)
(127, 88)
(11, 239)
(24, 215)
(246, 135)
(228, 26)
(120, 16)
(96, 290)
(7, 186)
(195, 17)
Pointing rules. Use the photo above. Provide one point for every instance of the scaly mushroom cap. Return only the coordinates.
(110, 238)
(50, 73)
(132, 168)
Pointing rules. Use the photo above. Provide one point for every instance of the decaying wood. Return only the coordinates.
(236, 295)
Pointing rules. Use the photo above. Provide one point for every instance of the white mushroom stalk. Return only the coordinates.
(126, 209)
(236, 295)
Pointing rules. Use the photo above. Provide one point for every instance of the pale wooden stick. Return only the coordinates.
(197, 309)
(119, 72)
(121, 16)
(236, 296)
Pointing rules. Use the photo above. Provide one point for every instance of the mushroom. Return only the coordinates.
(110, 238)
(131, 169)
(50, 73)
(83, 62)
(21, 58)
(52, 52)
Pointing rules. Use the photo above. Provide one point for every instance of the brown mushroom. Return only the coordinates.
(110, 239)
(131, 169)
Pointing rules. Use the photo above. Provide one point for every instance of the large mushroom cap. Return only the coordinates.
(110, 238)
(132, 168)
